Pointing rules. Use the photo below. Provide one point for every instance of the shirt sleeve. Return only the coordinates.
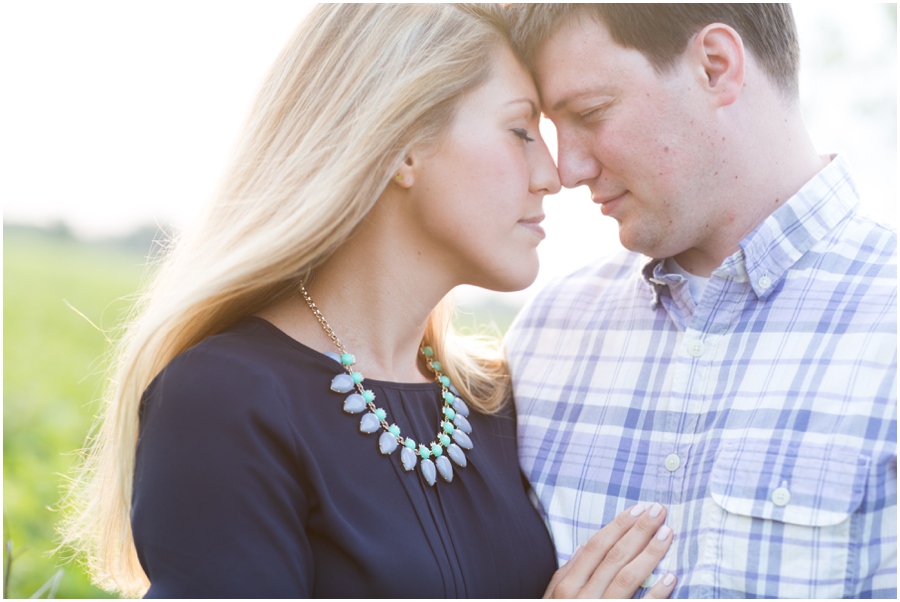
(219, 499)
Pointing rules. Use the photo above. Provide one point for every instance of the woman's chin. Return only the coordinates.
(511, 280)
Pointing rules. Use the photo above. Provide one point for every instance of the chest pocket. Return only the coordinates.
(780, 518)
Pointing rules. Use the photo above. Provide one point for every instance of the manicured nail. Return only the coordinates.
(663, 532)
(655, 509)
(637, 510)
(668, 579)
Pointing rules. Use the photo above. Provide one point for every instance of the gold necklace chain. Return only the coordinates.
(318, 314)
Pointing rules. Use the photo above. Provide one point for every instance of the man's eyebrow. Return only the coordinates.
(599, 91)
(534, 109)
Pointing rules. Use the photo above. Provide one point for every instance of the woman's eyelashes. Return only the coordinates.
(523, 134)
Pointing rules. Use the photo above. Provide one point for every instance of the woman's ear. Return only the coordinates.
(405, 175)
(718, 51)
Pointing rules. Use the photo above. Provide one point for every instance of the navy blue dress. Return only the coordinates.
(251, 481)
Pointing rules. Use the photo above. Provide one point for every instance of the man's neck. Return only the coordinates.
(775, 161)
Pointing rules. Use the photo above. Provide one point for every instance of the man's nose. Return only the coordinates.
(576, 165)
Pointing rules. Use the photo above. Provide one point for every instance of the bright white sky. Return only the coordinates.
(115, 114)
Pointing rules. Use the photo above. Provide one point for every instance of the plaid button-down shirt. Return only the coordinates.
(764, 416)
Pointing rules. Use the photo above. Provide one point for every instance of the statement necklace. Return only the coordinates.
(453, 431)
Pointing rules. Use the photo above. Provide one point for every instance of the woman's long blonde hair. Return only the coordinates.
(356, 88)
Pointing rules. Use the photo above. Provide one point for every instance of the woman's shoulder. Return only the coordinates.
(249, 369)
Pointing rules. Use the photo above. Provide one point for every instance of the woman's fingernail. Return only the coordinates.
(575, 553)
(655, 509)
(668, 579)
(637, 510)
(663, 532)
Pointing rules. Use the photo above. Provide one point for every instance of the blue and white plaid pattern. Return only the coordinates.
(764, 416)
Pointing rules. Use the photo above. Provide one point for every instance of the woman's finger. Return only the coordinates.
(663, 588)
(629, 546)
(630, 577)
(560, 573)
(595, 551)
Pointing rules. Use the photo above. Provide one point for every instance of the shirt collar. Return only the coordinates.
(767, 253)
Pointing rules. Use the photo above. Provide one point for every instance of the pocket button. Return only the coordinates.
(781, 496)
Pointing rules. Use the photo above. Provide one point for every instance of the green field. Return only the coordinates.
(53, 360)
(52, 378)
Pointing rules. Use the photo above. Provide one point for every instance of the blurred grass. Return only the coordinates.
(53, 375)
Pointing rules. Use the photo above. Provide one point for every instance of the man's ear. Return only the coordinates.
(718, 53)
(405, 176)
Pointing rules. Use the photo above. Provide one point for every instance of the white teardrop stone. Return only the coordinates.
(462, 439)
(387, 443)
(369, 423)
(428, 471)
(456, 454)
(463, 424)
(342, 383)
(354, 404)
(445, 468)
(335, 356)
(408, 458)
(460, 407)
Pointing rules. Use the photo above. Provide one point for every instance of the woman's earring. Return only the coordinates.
(398, 177)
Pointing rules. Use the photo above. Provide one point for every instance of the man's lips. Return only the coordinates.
(609, 203)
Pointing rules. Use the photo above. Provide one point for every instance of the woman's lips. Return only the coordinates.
(534, 224)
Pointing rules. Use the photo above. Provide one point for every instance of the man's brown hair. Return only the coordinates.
(661, 31)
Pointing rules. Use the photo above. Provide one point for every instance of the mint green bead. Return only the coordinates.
(448, 428)
(347, 359)
(394, 430)
(424, 452)
(428, 351)
(448, 397)
(437, 450)
(380, 414)
(368, 396)
(445, 440)
(410, 443)
(436, 365)
(450, 414)
(445, 381)
(357, 377)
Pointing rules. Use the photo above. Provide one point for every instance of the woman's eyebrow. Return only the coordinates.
(534, 109)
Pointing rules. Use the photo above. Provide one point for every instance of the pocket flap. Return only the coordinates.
(799, 483)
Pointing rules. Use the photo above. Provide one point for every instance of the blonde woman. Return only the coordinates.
(292, 414)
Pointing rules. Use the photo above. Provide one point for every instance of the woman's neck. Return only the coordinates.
(376, 294)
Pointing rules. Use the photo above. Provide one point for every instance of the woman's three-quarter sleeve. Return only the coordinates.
(219, 502)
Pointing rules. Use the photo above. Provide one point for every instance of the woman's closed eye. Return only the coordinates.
(523, 134)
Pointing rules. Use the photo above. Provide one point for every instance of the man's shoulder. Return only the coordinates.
(869, 235)
(582, 291)
(861, 246)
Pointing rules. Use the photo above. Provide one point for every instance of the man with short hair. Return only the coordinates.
(738, 363)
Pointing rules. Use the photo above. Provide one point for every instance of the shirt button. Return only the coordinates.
(696, 348)
(650, 581)
(781, 496)
(672, 462)
(765, 282)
